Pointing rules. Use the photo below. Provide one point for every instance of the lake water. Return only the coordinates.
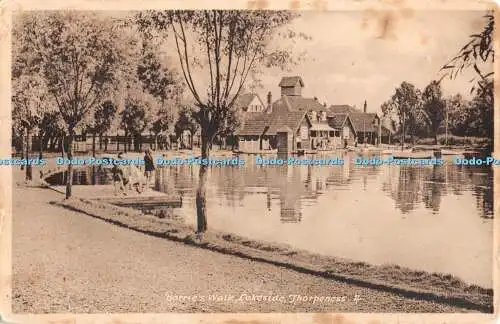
(432, 218)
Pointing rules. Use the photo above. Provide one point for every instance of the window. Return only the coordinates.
(313, 133)
(304, 132)
(346, 132)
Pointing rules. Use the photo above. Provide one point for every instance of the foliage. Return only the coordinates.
(433, 107)
(30, 100)
(137, 114)
(185, 121)
(405, 107)
(78, 54)
(102, 118)
(478, 50)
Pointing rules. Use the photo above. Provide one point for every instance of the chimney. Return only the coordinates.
(269, 101)
(364, 107)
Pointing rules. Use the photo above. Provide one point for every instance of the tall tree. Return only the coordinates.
(136, 116)
(433, 108)
(30, 101)
(160, 82)
(79, 54)
(101, 122)
(186, 121)
(405, 104)
(232, 44)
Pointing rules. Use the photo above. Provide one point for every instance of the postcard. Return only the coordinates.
(248, 162)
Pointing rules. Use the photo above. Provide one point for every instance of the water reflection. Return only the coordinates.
(376, 214)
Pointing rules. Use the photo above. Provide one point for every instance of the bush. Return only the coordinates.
(457, 140)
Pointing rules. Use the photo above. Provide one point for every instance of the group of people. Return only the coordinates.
(126, 177)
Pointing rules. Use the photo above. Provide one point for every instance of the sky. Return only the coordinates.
(356, 56)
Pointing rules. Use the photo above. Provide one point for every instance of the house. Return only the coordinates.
(249, 103)
(366, 127)
(294, 122)
(344, 129)
(288, 128)
(251, 134)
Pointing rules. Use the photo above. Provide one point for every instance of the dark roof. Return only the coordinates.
(342, 109)
(304, 104)
(291, 81)
(363, 122)
(283, 115)
(337, 120)
(255, 124)
(245, 99)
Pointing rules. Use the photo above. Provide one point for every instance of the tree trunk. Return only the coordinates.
(106, 141)
(22, 150)
(93, 155)
(403, 137)
(40, 143)
(117, 143)
(126, 142)
(28, 165)
(156, 142)
(69, 178)
(100, 142)
(93, 144)
(201, 199)
(62, 145)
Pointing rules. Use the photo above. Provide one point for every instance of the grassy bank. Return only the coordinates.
(390, 278)
(454, 141)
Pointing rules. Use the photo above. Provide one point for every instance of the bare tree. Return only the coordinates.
(231, 45)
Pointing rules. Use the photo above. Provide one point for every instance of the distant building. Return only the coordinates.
(249, 103)
(365, 126)
(294, 123)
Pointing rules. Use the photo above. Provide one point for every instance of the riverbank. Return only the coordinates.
(443, 288)
(67, 262)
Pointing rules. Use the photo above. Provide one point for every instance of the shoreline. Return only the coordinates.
(442, 288)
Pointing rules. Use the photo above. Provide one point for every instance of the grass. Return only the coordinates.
(456, 140)
(391, 278)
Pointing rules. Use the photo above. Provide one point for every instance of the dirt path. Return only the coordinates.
(64, 261)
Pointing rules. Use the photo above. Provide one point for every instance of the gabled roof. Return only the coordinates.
(304, 104)
(244, 100)
(342, 109)
(337, 120)
(291, 81)
(363, 122)
(256, 124)
(283, 115)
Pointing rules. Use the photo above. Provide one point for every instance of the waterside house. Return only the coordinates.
(291, 123)
(366, 127)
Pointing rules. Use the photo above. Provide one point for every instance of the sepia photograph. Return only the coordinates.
(251, 161)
